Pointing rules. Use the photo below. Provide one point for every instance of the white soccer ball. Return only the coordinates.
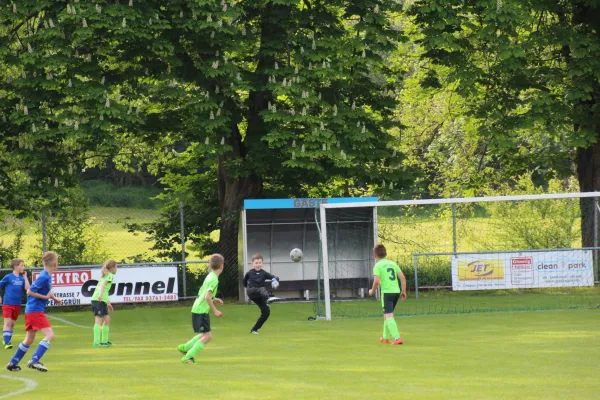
(296, 255)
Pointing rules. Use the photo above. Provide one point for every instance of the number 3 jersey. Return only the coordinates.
(387, 271)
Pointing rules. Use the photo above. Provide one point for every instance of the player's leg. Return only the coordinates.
(201, 324)
(265, 311)
(7, 332)
(97, 330)
(385, 338)
(105, 328)
(43, 346)
(22, 348)
(389, 318)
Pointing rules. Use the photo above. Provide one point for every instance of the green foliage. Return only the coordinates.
(538, 224)
(10, 251)
(104, 194)
(72, 234)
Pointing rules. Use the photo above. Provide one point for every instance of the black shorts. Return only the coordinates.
(201, 323)
(99, 308)
(389, 302)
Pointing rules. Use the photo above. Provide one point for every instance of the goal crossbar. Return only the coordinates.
(458, 200)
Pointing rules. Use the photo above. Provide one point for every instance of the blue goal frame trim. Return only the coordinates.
(273, 204)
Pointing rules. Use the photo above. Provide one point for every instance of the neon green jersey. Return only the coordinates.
(211, 283)
(104, 295)
(387, 271)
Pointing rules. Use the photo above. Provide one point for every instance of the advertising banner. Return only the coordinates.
(130, 285)
(522, 270)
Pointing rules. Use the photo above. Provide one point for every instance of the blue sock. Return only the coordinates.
(21, 350)
(7, 336)
(41, 349)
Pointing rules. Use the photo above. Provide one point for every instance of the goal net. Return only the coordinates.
(534, 252)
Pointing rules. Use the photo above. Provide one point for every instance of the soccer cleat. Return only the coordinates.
(398, 341)
(181, 349)
(37, 365)
(272, 299)
(384, 341)
(188, 360)
(96, 345)
(13, 368)
(8, 346)
(106, 344)
(254, 332)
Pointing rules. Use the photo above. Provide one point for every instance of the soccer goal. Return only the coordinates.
(462, 255)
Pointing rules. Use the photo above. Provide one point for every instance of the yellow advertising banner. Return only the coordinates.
(482, 269)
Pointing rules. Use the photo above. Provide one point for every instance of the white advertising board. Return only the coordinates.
(522, 270)
(130, 285)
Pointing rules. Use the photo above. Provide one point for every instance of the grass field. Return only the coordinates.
(520, 355)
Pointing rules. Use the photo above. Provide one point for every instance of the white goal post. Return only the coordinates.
(402, 203)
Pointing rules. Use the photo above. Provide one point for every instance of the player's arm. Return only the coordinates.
(375, 285)
(3, 283)
(101, 289)
(27, 284)
(53, 297)
(31, 293)
(271, 277)
(211, 304)
(403, 283)
(246, 277)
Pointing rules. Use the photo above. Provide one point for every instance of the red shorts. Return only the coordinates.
(36, 321)
(11, 312)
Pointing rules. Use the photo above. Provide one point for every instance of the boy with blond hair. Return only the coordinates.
(35, 318)
(204, 303)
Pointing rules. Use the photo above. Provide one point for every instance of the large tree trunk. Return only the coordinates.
(588, 174)
(232, 192)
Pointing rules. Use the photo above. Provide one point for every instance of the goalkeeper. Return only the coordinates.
(254, 282)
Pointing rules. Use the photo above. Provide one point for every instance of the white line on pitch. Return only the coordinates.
(29, 385)
(66, 321)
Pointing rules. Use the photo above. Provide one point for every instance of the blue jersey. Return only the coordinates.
(13, 289)
(42, 285)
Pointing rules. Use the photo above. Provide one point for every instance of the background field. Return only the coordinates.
(524, 355)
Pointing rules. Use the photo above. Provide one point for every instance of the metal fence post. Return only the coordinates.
(454, 241)
(183, 265)
(416, 278)
(595, 227)
(44, 232)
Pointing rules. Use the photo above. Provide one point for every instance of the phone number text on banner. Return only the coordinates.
(522, 270)
(130, 285)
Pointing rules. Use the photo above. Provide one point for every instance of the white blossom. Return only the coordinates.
(85, 25)
(222, 140)
(29, 48)
(207, 141)
(294, 143)
(124, 23)
(212, 115)
(303, 149)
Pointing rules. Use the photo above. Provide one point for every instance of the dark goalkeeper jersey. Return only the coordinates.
(256, 279)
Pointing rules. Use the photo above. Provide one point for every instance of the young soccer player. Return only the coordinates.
(204, 303)
(13, 285)
(35, 319)
(101, 305)
(254, 282)
(386, 274)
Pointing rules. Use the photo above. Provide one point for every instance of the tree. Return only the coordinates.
(64, 96)
(530, 71)
(269, 95)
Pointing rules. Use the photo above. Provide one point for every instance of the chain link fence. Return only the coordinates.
(128, 235)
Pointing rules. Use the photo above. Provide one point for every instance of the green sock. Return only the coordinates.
(393, 328)
(105, 333)
(97, 333)
(188, 346)
(195, 349)
(386, 331)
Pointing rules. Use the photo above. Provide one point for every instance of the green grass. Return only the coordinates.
(118, 242)
(522, 355)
